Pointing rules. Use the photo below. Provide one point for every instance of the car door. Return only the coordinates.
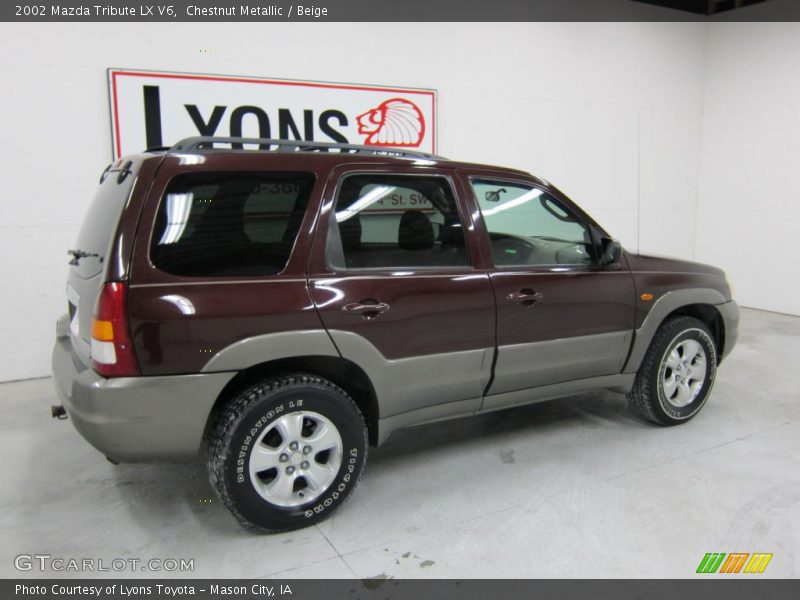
(397, 279)
(561, 316)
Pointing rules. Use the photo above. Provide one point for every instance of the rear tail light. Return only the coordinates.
(112, 350)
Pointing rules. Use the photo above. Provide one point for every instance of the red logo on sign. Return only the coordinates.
(396, 122)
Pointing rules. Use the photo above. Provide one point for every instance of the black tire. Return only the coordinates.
(254, 413)
(648, 398)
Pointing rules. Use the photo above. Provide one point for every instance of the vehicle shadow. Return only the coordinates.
(161, 494)
(593, 410)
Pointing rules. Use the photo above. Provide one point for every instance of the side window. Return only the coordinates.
(218, 224)
(528, 227)
(268, 211)
(388, 221)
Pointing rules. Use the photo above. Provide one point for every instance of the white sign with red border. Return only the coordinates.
(155, 108)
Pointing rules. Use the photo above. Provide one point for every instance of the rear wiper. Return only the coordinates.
(77, 255)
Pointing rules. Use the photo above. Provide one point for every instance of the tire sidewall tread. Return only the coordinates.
(646, 398)
(246, 412)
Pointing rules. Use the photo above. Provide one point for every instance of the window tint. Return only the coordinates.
(385, 221)
(528, 227)
(101, 222)
(216, 224)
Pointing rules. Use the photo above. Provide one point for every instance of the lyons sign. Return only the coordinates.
(151, 109)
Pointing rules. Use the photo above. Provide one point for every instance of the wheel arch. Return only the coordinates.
(700, 303)
(340, 371)
(708, 315)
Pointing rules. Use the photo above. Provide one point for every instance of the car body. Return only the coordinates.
(420, 309)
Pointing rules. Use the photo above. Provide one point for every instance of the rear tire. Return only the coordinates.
(676, 374)
(287, 452)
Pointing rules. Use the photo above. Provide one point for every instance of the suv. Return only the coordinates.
(287, 304)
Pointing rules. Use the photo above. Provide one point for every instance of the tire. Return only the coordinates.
(676, 374)
(261, 476)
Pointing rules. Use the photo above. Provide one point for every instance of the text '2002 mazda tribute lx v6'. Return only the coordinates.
(292, 304)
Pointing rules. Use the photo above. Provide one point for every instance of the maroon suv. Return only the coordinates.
(291, 302)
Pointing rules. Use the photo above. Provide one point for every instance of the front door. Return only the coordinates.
(399, 287)
(560, 316)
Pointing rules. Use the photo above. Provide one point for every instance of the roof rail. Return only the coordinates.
(193, 144)
(155, 149)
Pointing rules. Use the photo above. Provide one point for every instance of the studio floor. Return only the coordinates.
(571, 488)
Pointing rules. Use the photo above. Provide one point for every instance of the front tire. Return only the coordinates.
(287, 452)
(677, 373)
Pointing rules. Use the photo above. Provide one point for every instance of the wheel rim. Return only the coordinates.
(296, 458)
(683, 372)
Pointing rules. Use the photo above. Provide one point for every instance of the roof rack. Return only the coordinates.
(193, 144)
(155, 149)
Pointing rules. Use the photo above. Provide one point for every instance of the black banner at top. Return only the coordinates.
(397, 10)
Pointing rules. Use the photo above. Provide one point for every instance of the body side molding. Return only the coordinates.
(400, 385)
(271, 346)
(547, 362)
(407, 384)
(469, 407)
(621, 383)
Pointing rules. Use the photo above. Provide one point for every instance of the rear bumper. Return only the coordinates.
(730, 320)
(135, 419)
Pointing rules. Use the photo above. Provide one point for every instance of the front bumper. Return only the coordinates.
(730, 320)
(135, 419)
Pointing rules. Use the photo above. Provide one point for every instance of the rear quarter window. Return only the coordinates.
(222, 224)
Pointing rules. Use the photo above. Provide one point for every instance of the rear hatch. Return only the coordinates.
(91, 254)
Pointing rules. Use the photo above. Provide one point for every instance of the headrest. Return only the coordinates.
(416, 231)
(350, 233)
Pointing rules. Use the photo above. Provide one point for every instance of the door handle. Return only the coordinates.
(367, 310)
(525, 297)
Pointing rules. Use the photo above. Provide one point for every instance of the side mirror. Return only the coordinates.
(610, 252)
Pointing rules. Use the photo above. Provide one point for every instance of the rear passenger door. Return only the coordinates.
(400, 286)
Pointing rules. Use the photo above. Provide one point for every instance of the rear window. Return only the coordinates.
(218, 224)
(101, 221)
